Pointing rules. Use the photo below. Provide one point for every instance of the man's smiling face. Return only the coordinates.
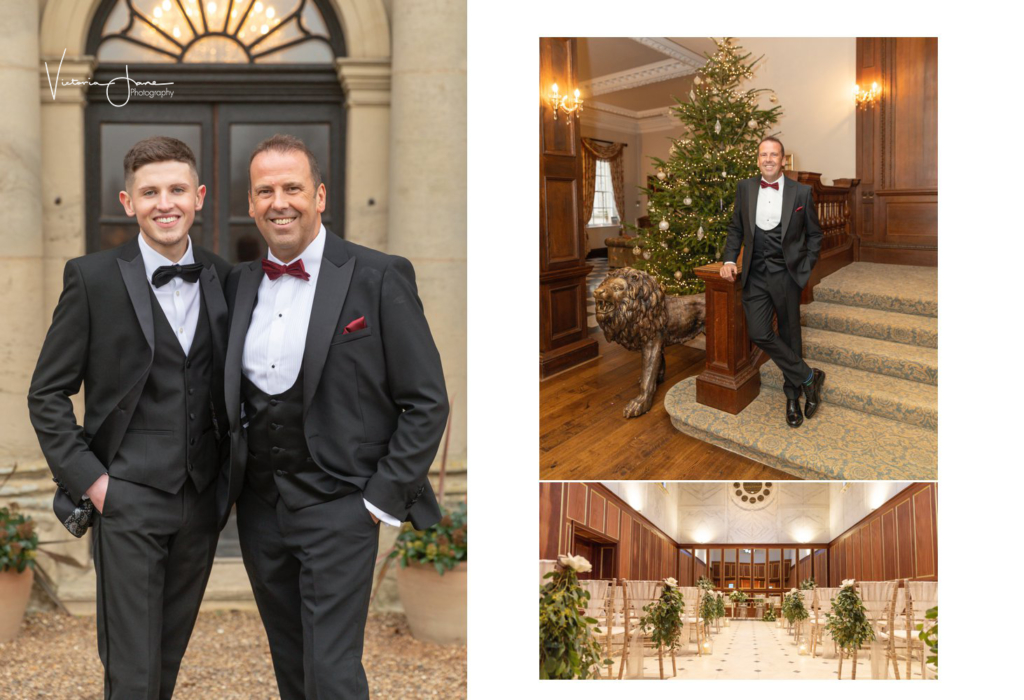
(285, 202)
(164, 199)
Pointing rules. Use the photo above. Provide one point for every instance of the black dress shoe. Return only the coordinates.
(793, 415)
(813, 393)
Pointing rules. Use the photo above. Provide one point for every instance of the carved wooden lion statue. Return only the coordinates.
(634, 311)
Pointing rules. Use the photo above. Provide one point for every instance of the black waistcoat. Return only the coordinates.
(170, 436)
(279, 463)
(768, 249)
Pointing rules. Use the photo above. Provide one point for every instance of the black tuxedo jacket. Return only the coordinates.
(102, 334)
(374, 400)
(801, 234)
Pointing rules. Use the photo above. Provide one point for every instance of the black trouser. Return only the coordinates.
(153, 553)
(776, 293)
(311, 571)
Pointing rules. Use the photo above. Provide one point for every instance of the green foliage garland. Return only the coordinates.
(567, 645)
(847, 623)
(723, 126)
(930, 636)
(663, 618)
(18, 541)
(443, 545)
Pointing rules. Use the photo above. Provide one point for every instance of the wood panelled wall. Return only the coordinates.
(898, 540)
(627, 545)
(897, 151)
(564, 341)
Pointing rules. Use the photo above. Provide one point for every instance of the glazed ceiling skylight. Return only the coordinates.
(204, 31)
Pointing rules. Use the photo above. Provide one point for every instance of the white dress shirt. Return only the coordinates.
(768, 213)
(276, 340)
(178, 299)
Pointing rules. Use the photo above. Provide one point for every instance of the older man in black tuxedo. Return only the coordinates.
(336, 405)
(144, 326)
(775, 220)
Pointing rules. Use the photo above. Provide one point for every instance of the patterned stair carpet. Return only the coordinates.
(873, 330)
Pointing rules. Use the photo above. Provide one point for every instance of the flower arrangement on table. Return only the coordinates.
(663, 618)
(738, 597)
(567, 645)
(848, 623)
(808, 584)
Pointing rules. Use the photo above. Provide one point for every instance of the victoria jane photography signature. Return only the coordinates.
(127, 80)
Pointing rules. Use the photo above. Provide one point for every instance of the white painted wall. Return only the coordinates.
(651, 501)
(707, 513)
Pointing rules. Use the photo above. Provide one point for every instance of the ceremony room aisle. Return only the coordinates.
(738, 580)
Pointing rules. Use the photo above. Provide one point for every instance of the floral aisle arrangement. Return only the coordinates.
(708, 608)
(720, 606)
(808, 584)
(793, 608)
(663, 619)
(929, 634)
(567, 645)
(705, 584)
(848, 623)
(769, 615)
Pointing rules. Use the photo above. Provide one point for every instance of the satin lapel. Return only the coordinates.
(788, 198)
(216, 307)
(753, 187)
(134, 274)
(331, 289)
(241, 314)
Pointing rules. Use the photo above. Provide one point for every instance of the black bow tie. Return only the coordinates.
(188, 273)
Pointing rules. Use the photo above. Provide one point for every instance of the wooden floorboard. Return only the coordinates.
(584, 436)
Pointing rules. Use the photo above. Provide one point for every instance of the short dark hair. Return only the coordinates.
(772, 138)
(157, 149)
(284, 143)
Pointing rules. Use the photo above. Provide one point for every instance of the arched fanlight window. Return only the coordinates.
(215, 31)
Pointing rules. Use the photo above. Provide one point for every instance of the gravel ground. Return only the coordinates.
(227, 659)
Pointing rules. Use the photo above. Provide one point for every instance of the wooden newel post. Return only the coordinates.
(730, 379)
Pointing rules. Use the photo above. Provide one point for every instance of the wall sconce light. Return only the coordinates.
(557, 100)
(866, 98)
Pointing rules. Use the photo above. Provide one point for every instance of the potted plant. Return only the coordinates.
(567, 645)
(663, 620)
(18, 545)
(848, 624)
(432, 577)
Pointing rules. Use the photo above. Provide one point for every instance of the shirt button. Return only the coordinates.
(191, 416)
(273, 366)
(280, 315)
(181, 330)
(177, 294)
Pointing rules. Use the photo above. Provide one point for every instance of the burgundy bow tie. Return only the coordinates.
(275, 270)
(773, 185)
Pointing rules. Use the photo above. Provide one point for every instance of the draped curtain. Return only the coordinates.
(594, 151)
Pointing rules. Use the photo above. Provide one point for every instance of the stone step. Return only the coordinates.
(905, 289)
(879, 356)
(896, 399)
(907, 329)
(838, 443)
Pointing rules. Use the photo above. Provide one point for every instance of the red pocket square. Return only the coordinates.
(799, 208)
(357, 325)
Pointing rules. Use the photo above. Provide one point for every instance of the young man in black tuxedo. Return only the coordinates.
(144, 326)
(775, 220)
(336, 405)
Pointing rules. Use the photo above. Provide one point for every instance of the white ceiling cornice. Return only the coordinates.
(669, 69)
(672, 49)
(644, 121)
(682, 62)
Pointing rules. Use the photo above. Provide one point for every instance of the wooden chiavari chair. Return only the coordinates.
(921, 596)
(637, 594)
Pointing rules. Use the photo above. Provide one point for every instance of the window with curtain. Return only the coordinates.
(605, 213)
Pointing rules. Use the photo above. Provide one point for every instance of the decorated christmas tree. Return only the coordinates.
(692, 202)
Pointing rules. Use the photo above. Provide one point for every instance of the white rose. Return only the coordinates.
(579, 564)
(848, 582)
(671, 582)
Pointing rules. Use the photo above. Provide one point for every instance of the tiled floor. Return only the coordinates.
(751, 649)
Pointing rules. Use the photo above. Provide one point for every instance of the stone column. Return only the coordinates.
(367, 85)
(21, 236)
(427, 203)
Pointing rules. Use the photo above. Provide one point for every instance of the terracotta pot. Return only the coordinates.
(15, 589)
(435, 605)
